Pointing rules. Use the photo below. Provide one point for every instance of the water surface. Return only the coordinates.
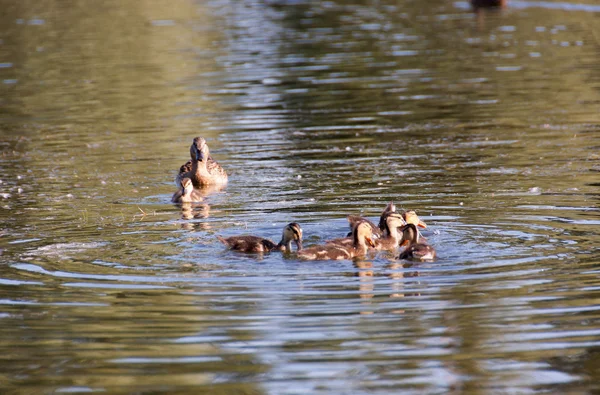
(486, 124)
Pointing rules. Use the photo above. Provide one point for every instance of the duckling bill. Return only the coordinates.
(291, 233)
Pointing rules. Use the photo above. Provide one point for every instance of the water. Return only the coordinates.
(487, 125)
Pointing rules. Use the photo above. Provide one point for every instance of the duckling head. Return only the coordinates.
(410, 234)
(199, 149)
(393, 221)
(363, 233)
(412, 218)
(389, 209)
(292, 232)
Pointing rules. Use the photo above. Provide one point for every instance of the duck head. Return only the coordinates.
(389, 209)
(410, 234)
(199, 150)
(412, 218)
(292, 232)
(363, 235)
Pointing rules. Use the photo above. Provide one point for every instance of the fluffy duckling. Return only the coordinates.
(392, 236)
(389, 209)
(291, 232)
(202, 169)
(415, 248)
(412, 218)
(187, 193)
(362, 236)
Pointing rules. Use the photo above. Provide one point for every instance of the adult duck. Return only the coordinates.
(202, 169)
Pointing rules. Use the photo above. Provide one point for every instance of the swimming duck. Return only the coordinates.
(362, 236)
(415, 248)
(202, 169)
(291, 232)
(187, 193)
(388, 210)
(412, 218)
(391, 236)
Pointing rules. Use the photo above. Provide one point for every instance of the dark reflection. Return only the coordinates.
(585, 362)
(480, 7)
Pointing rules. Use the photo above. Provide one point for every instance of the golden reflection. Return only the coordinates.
(397, 275)
(365, 273)
(198, 210)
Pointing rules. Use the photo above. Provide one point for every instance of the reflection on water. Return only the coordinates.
(485, 124)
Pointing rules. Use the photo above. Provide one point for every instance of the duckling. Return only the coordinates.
(389, 209)
(187, 193)
(362, 236)
(391, 237)
(202, 169)
(415, 248)
(412, 218)
(291, 232)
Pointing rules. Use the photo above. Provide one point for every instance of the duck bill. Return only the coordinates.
(370, 242)
(403, 243)
(299, 244)
(198, 154)
(422, 224)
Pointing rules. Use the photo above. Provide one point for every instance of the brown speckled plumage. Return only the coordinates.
(391, 237)
(362, 239)
(415, 248)
(291, 232)
(202, 169)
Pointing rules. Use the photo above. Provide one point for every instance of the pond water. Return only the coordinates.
(487, 125)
